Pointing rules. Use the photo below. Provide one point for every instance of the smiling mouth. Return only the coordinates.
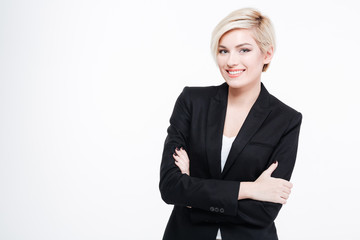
(235, 72)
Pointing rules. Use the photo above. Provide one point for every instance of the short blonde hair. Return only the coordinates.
(246, 18)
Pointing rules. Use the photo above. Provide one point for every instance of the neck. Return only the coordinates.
(245, 96)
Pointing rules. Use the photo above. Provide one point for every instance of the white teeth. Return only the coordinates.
(235, 72)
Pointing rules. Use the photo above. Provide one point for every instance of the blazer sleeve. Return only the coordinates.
(180, 189)
(255, 212)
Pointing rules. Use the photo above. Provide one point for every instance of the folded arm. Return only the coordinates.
(182, 189)
(214, 200)
(258, 204)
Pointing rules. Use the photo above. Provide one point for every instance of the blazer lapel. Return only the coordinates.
(214, 130)
(215, 127)
(256, 116)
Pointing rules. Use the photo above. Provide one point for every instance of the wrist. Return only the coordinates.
(245, 190)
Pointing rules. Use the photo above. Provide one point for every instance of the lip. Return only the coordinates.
(235, 72)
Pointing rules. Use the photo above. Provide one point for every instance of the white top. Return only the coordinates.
(225, 149)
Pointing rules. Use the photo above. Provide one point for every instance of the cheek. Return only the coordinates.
(255, 62)
(219, 62)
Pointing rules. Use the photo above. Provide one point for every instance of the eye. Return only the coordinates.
(222, 51)
(244, 50)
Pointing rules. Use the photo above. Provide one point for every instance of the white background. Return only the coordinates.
(87, 89)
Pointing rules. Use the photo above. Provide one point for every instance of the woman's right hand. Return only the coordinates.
(266, 188)
(182, 160)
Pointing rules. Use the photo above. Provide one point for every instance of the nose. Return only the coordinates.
(232, 60)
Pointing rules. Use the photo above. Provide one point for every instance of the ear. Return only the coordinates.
(268, 55)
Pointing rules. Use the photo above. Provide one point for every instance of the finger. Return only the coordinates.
(176, 157)
(180, 164)
(179, 152)
(180, 159)
(287, 191)
(284, 195)
(284, 183)
(287, 184)
(271, 169)
(282, 200)
(182, 155)
(183, 151)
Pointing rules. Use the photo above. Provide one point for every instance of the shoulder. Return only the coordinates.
(200, 94)
(200, 91)
(279, 108)
(193, 97)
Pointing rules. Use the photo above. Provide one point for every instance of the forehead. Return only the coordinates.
(237, 36)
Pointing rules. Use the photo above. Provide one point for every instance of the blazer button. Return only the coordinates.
(221, 210)
(216, 209)
(212, 209)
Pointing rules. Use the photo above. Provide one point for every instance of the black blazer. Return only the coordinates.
(270, 132)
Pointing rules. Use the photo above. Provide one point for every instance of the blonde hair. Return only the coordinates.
(246, 18)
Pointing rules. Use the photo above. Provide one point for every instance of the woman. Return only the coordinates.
(230, 149)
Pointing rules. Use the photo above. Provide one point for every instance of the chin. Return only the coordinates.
(241, 82)
(236, 83)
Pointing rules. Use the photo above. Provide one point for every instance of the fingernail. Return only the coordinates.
(182, 148)
(275, 162)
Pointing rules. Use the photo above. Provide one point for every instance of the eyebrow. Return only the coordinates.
(240, 45)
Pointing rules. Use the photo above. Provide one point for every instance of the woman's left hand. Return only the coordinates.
(182, 160)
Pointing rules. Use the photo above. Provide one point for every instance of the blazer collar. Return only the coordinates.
(261, 101)
(215, 126)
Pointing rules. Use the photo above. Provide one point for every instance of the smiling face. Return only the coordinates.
(240, 60)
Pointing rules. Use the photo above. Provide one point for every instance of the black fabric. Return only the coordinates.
(270, 132)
